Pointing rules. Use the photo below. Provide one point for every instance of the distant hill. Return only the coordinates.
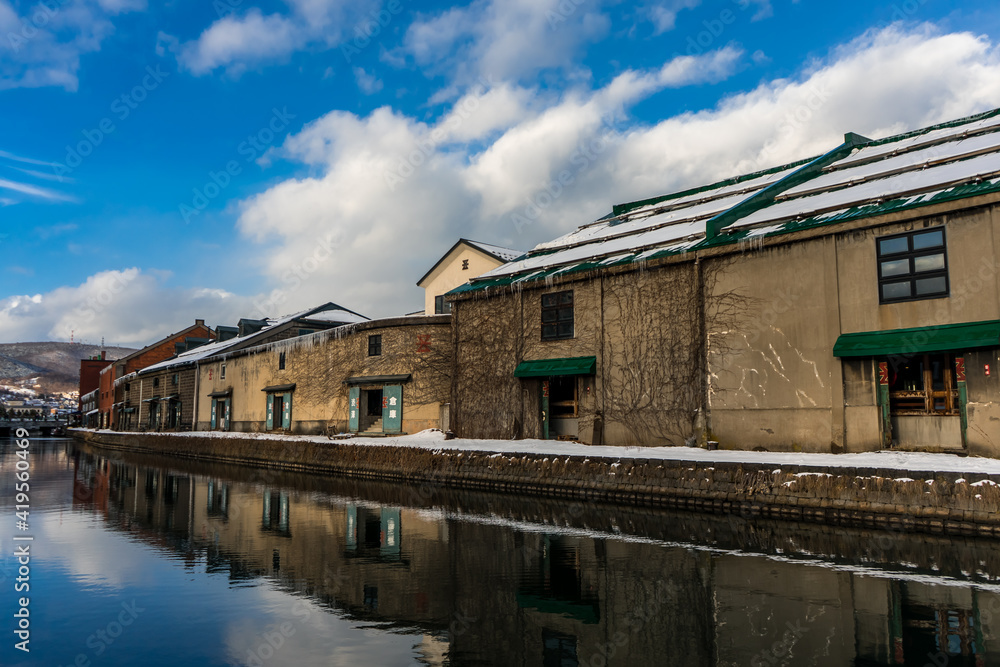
(57, 365)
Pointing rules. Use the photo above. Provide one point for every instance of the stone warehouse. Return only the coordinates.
(847, 302)
(377, 377)
(164, 396)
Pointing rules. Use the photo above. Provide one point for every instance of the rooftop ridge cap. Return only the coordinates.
(619, 209)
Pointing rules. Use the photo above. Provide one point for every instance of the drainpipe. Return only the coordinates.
(194, 417)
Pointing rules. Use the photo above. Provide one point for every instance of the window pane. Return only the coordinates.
(566, 297)
(549, 315)
(932, 286)
(890, 246)
(565, 314)
(549, 331)
(896, 290)
(548, 300)
(566, 329)
(897, 267)
(928, 240)
(928, 263)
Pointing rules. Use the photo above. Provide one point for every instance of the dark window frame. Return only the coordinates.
(558, 315)
(281, 361)
(441, 306)
(375, 345)
(912, 276)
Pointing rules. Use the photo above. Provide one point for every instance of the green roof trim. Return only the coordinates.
(940, 126)
(943, 338)
(621, 209)
(540, 368)
(858, 212)
(766, 196)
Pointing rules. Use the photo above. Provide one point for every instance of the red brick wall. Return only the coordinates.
(164, 350)
(90, 373)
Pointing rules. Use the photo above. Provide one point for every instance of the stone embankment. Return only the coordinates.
(939, 502)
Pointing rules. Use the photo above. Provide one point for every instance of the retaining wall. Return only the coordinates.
(954, 503)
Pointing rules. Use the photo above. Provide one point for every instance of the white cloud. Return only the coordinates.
(236, 43)
(41, 44)
(504, 39)
(129, 307)
(663, 15)
(368, 83)
(397, 192)
(33, 190)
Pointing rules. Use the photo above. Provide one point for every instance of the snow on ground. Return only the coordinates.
(434, 439)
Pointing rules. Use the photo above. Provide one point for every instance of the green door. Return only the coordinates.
(286, 415)
(354, 404)
(215, 407)
(270, 412)
(389, 547)
(392, 408)
(545, 409)
(225, 415)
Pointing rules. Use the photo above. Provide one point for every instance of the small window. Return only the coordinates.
(557, 315)
(375, 345)
(441, 306)
(175, 379)
(912, 266)
(465, 264)
(281, 361)
(156, 382)
(222, 372)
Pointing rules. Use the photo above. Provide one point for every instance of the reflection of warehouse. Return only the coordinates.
(534, 596)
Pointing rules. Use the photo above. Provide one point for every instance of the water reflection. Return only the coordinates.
(479, 579)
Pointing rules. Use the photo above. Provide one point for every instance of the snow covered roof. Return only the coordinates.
(337, 315)
(499, 253)
(860, 178)
(329, 313)
(506, 254)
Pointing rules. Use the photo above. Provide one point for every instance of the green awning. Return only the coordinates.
(582, 611)
(552, 367)
(944, 338)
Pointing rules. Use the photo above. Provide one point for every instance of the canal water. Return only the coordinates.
(140, 560)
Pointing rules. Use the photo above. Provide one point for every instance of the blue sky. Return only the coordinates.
(161, 163)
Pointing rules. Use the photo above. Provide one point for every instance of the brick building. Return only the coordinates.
(165, 348)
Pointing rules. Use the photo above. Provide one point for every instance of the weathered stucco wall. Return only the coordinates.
(319, 364)
(773, 380)
(972, 271)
